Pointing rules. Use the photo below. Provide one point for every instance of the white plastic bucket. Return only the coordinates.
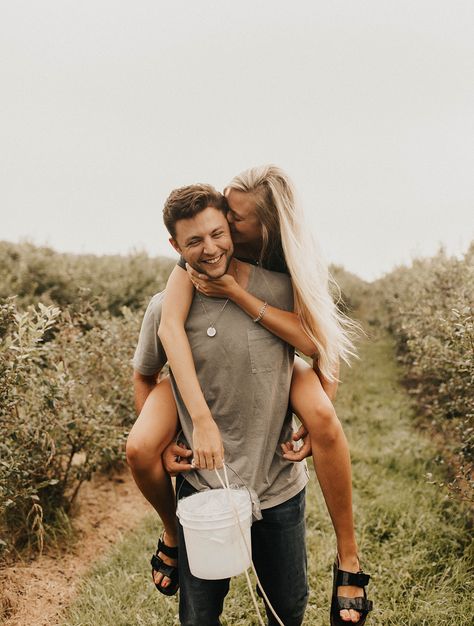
(214, 541)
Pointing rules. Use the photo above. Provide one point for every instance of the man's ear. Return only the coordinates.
(174, 243)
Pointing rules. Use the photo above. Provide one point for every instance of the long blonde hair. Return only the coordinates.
(284, 234)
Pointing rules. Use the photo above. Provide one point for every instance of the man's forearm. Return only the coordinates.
(330, 387)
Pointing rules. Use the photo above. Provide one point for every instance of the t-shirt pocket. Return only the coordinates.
(264, 349)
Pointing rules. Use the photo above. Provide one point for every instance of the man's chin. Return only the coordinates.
(210, 274)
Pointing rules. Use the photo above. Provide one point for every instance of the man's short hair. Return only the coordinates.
(186, 202)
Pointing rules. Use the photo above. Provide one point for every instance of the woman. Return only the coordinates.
(268, 228)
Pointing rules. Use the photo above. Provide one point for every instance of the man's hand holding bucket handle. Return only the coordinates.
(302, 451)
(176, 458)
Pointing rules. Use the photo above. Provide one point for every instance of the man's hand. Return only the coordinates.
(214, 287)
(207, 444)
(176, 459)
(303, 451)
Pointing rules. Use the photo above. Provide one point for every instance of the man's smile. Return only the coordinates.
(214, 260)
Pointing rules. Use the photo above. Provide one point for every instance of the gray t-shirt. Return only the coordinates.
(245, 374)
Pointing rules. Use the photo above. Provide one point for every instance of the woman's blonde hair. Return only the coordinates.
(284, 234)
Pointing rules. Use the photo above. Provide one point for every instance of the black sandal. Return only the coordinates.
(339, 603)
(171, 571)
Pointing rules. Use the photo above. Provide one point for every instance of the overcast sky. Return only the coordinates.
(107, 105)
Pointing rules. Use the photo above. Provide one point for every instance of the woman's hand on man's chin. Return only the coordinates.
(214, 287)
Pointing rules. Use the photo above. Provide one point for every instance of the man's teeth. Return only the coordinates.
(212, 261)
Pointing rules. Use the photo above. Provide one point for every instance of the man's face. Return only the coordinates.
(205, 243)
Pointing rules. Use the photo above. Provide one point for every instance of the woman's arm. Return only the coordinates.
(284, 324)
(207, 442)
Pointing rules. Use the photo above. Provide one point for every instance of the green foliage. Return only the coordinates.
(65, 409)
(35, 273)
(429, 308)
(67, 337)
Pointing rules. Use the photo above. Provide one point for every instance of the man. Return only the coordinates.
(245, 374)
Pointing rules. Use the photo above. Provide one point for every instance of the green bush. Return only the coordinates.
(35, 273)
(429, 309)
(65, 409)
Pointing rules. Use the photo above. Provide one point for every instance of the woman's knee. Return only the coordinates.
(138, 453)
(320, 419)
(133, 452)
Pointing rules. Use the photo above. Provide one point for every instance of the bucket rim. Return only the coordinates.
(246, 522)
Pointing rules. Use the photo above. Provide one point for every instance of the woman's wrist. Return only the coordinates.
(200, 418)
(235, 291)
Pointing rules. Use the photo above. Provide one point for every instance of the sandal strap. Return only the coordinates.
(358, 579)
(160, 566)
(357, 604)
(171, 552)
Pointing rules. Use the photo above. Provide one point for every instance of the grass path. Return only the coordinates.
(414, 541)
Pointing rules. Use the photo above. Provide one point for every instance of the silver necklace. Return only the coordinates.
(211, 329)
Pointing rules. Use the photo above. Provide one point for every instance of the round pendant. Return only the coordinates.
(211, 331)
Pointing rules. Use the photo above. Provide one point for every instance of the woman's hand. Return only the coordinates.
(176, 458)
(303, 446)
(208, 448)
(223, 287)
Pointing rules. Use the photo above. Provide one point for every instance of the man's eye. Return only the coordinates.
(193, 243)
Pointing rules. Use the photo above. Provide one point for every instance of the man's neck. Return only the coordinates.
(240, 271)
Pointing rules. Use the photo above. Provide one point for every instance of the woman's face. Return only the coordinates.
(244, 223)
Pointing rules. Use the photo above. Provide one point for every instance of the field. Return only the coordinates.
(406, 406)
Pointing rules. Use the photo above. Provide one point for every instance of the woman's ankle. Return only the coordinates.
(170, 537)
(348, 554)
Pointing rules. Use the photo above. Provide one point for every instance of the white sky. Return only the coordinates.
(107, 105)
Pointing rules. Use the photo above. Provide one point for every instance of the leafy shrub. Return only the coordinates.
(35, 273)
(65, 408)
(430, 309)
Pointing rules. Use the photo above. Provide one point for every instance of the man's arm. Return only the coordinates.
(142, 387)
(330, 387)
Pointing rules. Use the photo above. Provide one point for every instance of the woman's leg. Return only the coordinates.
(152, 432)
(332, 464)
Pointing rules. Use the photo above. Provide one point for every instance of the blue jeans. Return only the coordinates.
(279, 555)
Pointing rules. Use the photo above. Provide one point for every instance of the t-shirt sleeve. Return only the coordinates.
(150, 356)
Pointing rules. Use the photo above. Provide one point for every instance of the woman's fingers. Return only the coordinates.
(195, 275)
(300, 433)
(208, 460)
(290, 454)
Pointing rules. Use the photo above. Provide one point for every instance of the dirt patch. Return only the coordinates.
(36, 593)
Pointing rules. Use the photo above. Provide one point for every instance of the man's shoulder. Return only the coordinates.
(278, 284)
(155, 304)
(277, 279)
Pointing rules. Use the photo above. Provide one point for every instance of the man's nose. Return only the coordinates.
(210, 247)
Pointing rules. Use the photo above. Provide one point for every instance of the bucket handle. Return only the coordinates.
(256, 510)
